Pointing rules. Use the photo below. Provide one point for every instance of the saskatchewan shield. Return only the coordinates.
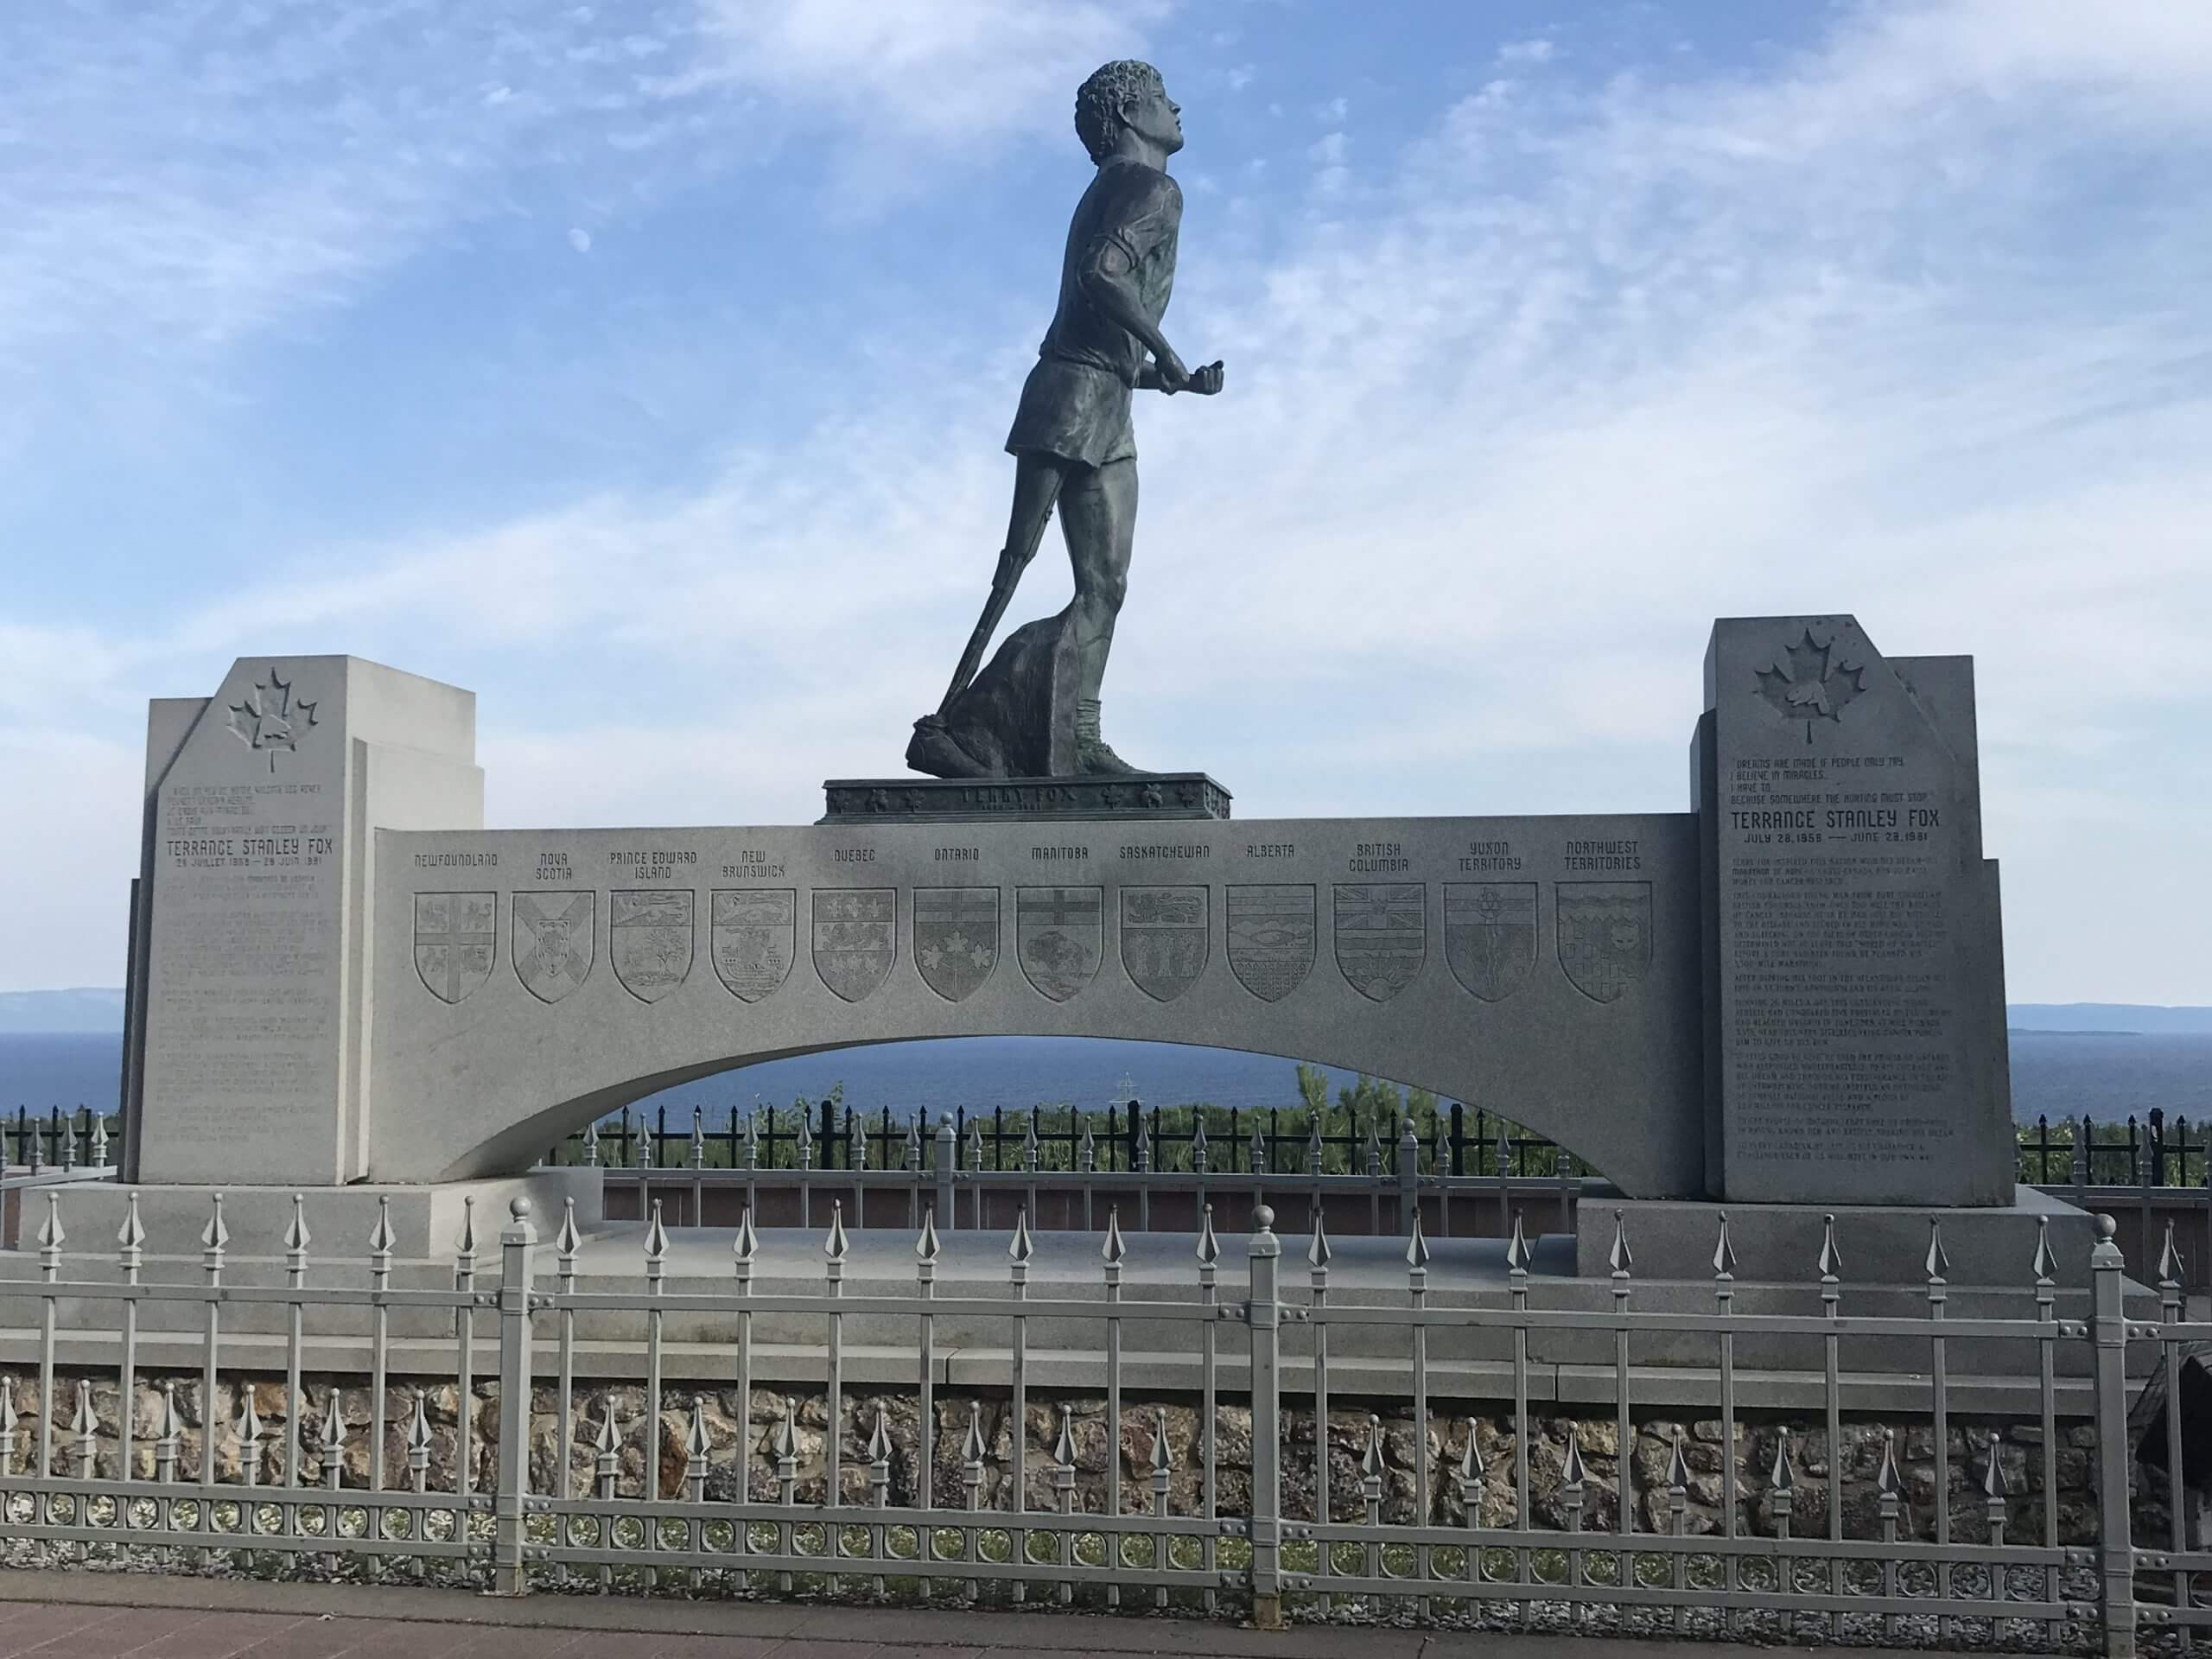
(1164, 939)
(1381, 935)
(855, 937)
(649, 939)
(1057, 934)
(1490, 936)
(754, 935)
(956, 938)
(1604, 936)
(1271, 938)
(553, 941)
(454, 936)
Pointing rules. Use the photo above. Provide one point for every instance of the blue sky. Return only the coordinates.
(643, 368)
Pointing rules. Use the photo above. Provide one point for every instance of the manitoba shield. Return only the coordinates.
(1164, 939)
(1381, 935)
(956, 938)
(553, 942)
(754, 934)
(1490, 936)
(1271, 938)
(649, 939)
(454, 935)
(1604, 936)
(855, 937)
(1059, 933)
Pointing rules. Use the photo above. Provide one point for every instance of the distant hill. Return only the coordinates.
(55, 1011)
(2149, 1019)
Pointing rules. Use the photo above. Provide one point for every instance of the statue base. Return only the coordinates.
(970, 800)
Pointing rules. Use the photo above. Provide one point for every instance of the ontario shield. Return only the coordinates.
(956, 938)
(1164, 939)
(454, 942)
(649, 939)
(855, 937)
(1271, 938)
(1490, 936)
(753, 936)
(554, 934)
(1382, 935)
(1604, 936)
(1057, 934)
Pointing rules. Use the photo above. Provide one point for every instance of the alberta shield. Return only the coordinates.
(1490, 936)
(454, 942)
(855, 937)
(956, 938)
(554, 941)
(1381, 935)
(1604, 936)
(754, 934)
(1057, 934)
(1271, 938)
(649, 939)
(1164, 939)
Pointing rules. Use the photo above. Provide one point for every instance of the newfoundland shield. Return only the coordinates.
(1490, 936)
(1604, 936)
(1057, 934)
(855, 937)
(1271, 938)
(956, 938)
(553, 942)
(1381, 935)
(454, 935)
(754, 934)
(649, 939)
(1164, 939)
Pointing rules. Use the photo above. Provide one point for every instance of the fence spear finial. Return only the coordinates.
(748, 1242)
(131, 1235)
(1620, 1258)
(1831, 1263)
(1994, 1486)
(1020, 1248)
(465, 1246)
(1318, 1252)
(382, 1239)
(1315, 1153)
(1372, 1463)
(1209, 1250)
(1779, 1476)
(1163, 1455)
(50, 1235)
(1575, 1471)
(972, 1448)
(1517, 1251)
(1887, 1481)
(1113, 1251)
(879, 1440)
(568, 1240)
(834, 1247)
(1724, 1253)
(1063, 1447)
(333, 1426)
(1678, 1465)
(1417, 1250)
(215, 1236)
(1939, 1263)
(2169, 1261)
(1472, 1469)
(2045, 1266)
(925, 1245)
(696, 1443)
(656, 1242)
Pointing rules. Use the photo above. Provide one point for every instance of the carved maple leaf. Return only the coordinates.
(1815, 684)
(269, 719)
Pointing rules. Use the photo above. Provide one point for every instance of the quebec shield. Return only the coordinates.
(1164, 939)
(554, 937)
(1271, 938)
(956, 938)
(1490, 936)
(855, 937)
(649, 939)
(454, 939)
(1057, 934)
(1604, 936)
(754, 935)
(1382, 935)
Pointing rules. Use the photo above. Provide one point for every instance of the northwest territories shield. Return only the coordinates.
(956, 938)
(553, 936)
(1057, 934)
(855, 937)
(1381, 935)
(1490, 936)
(1271, 938)
(454, 935)
(754, 933)
(649, 939)
(1604, 936)
(1164, 939)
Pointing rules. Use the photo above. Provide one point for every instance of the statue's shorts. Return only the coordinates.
(1074, 410)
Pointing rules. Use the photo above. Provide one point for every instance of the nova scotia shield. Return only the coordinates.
(1059, 933)
(754, 937)
(1164, 939)
(454, 939)
(553, 941)
(1490, 936)
(649, 939)
(1604, 936)
(1271, 938)
(956, 938)
(1382, 935)
(855, 937)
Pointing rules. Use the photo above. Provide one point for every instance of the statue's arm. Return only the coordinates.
(1107, 280)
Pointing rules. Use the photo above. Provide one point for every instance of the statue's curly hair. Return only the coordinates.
(1098, 102)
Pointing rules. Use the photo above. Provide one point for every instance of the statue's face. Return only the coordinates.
(1156, 118)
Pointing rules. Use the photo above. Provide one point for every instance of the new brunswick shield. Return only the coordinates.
(553, 941)
(754, 934)
(1059, 933)
(1381, 935)
(1164, 939)
(956, 938)
(1271, 938)
(649, 939)
(855, 937)
(1604, 936)
(1490, 936)
(453, 938)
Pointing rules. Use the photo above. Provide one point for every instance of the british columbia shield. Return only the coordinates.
(553, 944)
(956, 938)
(1271, 938)
(1057, 934)
(1164, 939)
(753, 937)
(453, 938)
(1382, 935)
(649, 939)
(1604, 936)
(1490, 936)
(855, 937)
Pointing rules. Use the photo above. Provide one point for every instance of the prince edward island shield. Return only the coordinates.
(755, 931)
(454, 936)
(956, 938)
(1057, 934)
(553, 942)
(855, 937)
(1604, 936)
(1164, 939)
(1271, 938)
(1490, 936)
(1381, 935)
(649, 939)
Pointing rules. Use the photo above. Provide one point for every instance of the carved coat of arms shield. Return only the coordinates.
(1059, 933)
(649, 939)
(553, 941)
(455, 936)
(1382, 935)
(1164, 939)
(956, 938)
(1604, 936)
(755, 935)
(1490, 936)
(1271, 938)
(855, 937)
